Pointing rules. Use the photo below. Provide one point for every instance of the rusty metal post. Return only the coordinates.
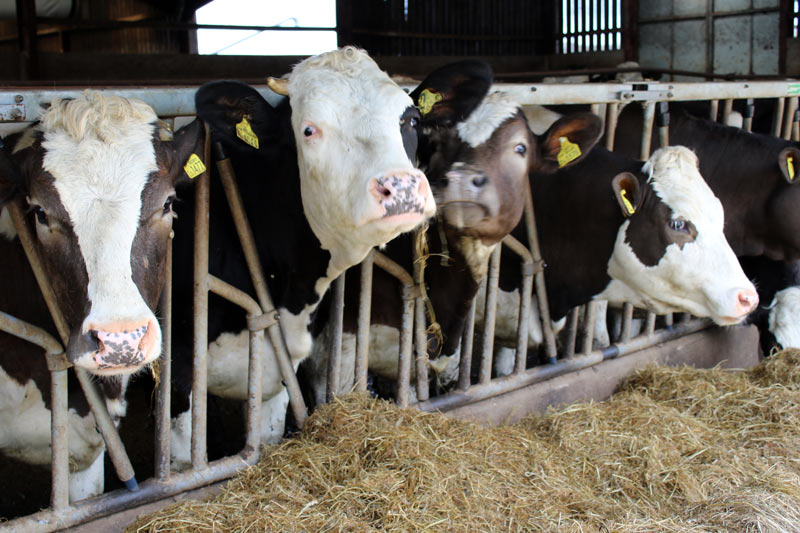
(164, 392)
(247, 242)
(200, 310)
(362, 334)
(489, 317)
(777, 116)
(465, 363)
(335, 353)
(420, 329)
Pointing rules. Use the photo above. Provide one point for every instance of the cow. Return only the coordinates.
(325, 175)
(755, 178)
(478, 166)
(98, 175)
(616, 229)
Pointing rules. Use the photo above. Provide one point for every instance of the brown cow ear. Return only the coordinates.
(569, 139)
(789, 161)
(627, 192)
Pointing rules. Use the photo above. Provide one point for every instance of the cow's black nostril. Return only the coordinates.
(480, 181)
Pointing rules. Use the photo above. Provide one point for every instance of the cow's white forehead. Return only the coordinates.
(344, 84)
(99, 150)
(495, 109)
(675, 178)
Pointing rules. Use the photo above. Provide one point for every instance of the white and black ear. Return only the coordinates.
(238, 115)
(627, 192)
(568, 140)
(187, 146)
(450, 93)
(789, 162)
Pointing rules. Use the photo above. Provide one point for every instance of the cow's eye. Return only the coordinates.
(41, 216)
(309, 130)
(521, 149)
(678, 224)
(168, 205)
(414, 121)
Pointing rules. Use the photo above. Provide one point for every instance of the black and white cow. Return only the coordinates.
(612, 228)
(331, 177)
(99, 183)
(755, 177)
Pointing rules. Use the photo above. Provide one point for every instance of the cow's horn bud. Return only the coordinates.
(279, 85)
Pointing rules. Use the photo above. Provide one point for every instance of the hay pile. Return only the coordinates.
(676, 449)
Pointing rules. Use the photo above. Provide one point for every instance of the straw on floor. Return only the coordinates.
(676, 449)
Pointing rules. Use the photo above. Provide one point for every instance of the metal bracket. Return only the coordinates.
(262, 321)
(12, 112)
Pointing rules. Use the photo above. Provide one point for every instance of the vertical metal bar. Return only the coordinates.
(164, 393)
(254, 394)
(335, 354)
(490, 314)
(749, 111)
(588, 327)
(714, 111)
(527, 267)
(777, 117)
(364, 312)
(796, 125)
(727, 109)
(627, 317)
(611, 124)
(465, 364)
(200, 333)
(647, 130)
(572, 332)
(651, 323)
(59, 431)
(788, 117)
(421, 349)
(404, 362)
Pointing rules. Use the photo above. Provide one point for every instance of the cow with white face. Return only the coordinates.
(651, 234)
(99, 182)
(325, 176)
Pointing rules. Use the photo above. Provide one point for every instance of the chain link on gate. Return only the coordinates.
(171, 102)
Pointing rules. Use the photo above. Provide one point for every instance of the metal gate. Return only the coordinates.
(21, 106)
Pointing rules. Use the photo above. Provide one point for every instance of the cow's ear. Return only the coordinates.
(569, 139)
(627, 192)
(11, 179)
(238, 115)
(789, 161)
(187, 147)
(450, 93)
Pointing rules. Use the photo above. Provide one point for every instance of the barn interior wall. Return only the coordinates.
(703, 36)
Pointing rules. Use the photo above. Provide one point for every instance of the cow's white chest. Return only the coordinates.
(25, 427)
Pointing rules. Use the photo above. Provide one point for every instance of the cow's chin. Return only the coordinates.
(393, 225)
(464, 215)
(88, 361)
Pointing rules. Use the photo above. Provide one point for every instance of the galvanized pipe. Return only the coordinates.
(747, 117)
(651, 323)
(33, 334)
(611, 124)
(788, 118)
(161, 461)
(588, 326)
(714, 111)
(274, 331)
(465, 363)
(420, 329)
(525, 299)
(727, 109)
(59, 435)
(489, 317)
(506, 384)
(200, 333)
(647, 130)
(627, 318)
(796, 125)
(362, 334)
(572, 332)
(410, 291)
(777, 116)
(335, 354)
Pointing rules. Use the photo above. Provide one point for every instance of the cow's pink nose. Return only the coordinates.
(401, 193)
(123, 344)
(747, 300)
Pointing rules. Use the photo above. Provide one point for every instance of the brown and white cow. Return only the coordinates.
(330, 176)
(478, 165)
(99, 184)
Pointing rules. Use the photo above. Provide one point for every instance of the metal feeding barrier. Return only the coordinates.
(22, 106)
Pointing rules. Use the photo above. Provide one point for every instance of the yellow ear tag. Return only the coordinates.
(427, 99)
(245, 133)
(790, 166)
(194, 166)
(628, 205)
(569, 152)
